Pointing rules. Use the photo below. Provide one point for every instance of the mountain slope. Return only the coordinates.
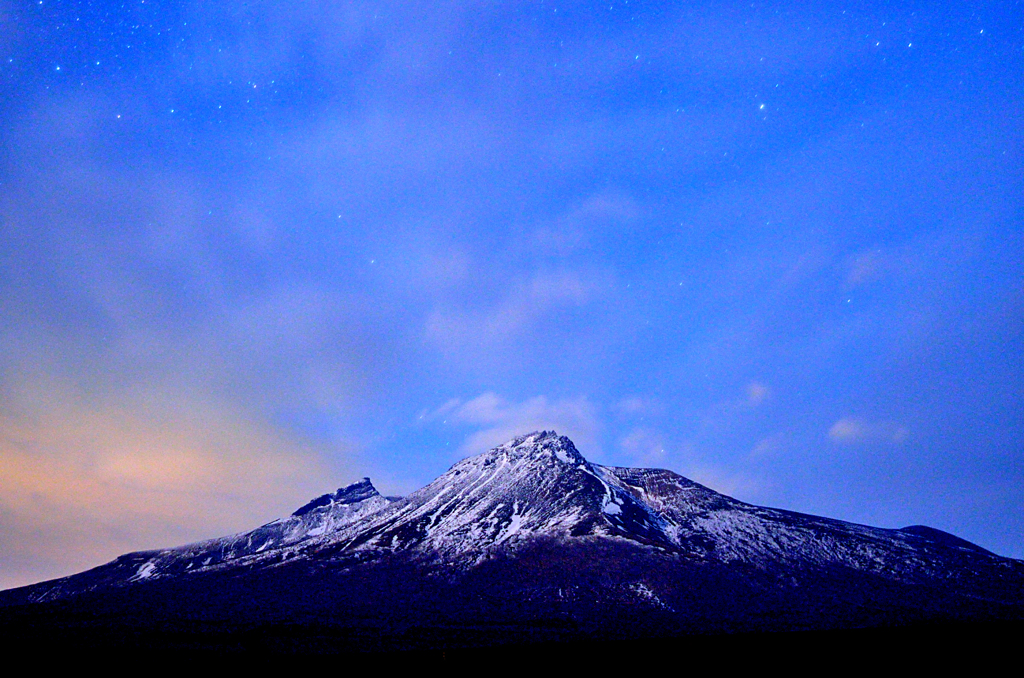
(328, 514)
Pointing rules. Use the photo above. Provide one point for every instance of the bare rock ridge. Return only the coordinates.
(530, 520)
(350, 494)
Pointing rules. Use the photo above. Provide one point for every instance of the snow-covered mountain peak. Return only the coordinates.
(537, 485)
(530, 529)
(536, 445)
(537, 489)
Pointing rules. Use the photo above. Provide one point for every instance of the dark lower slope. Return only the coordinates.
(550, 592)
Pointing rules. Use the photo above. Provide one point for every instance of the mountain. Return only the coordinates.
(530, 541)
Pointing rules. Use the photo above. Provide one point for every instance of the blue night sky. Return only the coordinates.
(252, 251)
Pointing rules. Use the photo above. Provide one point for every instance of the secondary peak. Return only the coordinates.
(350, 494)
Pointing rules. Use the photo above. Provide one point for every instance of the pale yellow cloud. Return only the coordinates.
(85, 482)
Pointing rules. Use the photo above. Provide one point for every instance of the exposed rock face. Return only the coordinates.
(350, 494)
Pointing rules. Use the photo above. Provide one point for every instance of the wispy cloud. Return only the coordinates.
(757, 393)
(645, 446)
(734, 411)
(740, 485)
(588, 223)
(499, 420)
(526, 305)
(850, 430)
(638, 406)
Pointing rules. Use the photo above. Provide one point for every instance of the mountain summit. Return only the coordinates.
(532, 532)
